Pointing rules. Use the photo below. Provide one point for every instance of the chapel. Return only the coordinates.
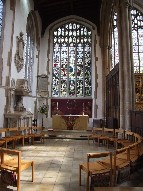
(71, 65)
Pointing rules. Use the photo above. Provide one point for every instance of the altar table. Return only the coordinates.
(70, 122)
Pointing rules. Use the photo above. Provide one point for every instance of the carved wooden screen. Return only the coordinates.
(112, 97)
(139, 92)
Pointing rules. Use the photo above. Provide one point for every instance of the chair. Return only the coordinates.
(97, 169)
(5, 138)
(135, 161)
(14, 133)
(28, 136)
(121, 165)
(126, 138)
(12, 165)
(38, 134)
(96, 133)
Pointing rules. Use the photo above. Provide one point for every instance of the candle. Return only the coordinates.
(83, 108)
(57, 105)
(83, 105)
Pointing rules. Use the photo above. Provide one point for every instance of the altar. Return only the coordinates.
(70, 122)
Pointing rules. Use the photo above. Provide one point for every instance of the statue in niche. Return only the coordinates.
(19, 61)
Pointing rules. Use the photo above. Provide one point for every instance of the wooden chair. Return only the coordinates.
(118, 137)
(121, 165)
(6, 139)
(96, 168)
(2, 142)
(37, 133)
(108, 132)
(28, 136)
(126, 138)
(14, 133)
(135, 156)
(11, 162)
(96, 133)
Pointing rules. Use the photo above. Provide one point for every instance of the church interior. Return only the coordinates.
(71, 88)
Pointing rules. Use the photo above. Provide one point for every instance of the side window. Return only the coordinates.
(115, 51)
(29, 51)
(137, 39)
(1, 36)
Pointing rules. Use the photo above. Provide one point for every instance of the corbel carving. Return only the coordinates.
(19, 61)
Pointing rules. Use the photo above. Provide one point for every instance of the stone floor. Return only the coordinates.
(57, 165)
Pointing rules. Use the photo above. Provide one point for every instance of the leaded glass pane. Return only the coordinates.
(137, 36)
(29, 60)
(1, 16)
(114, 50)
(72, 61)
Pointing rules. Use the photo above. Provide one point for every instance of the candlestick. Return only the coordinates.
(57, 105)
(83, 108)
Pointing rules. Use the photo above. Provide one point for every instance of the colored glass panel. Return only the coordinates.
(1, 17)
(137, 40)
(114, 49)
(72, 61)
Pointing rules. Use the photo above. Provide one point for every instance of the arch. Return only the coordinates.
(95, 62)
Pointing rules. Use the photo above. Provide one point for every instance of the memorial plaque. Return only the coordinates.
(42, 83)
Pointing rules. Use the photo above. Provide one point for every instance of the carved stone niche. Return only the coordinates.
(19, 60)
(22, 87)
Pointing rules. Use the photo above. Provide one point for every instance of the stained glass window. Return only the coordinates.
(72, 61)
(137, 38)
(1, 17)
(114, 50)
(29, 59)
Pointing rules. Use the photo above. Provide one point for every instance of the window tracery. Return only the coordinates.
(29, 52)
(72, 61)
(137, 40)
(114, 49)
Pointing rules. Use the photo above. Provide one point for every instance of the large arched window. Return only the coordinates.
(137, 36)
(29, 52)
(72, 61)
(114, 49)
(1, 37)
(137, 41)
(1, 17)
(29, 60)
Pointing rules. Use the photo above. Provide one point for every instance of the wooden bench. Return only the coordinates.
(12, 162)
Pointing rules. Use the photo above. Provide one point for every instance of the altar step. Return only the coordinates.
(67, 134)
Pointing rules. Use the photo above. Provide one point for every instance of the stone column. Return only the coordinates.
(125, 65)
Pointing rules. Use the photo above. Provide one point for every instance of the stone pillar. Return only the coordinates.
(125, 65)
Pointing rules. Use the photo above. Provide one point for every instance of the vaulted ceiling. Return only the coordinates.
(51, 10)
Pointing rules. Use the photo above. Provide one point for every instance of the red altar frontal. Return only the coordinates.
(70, 122)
